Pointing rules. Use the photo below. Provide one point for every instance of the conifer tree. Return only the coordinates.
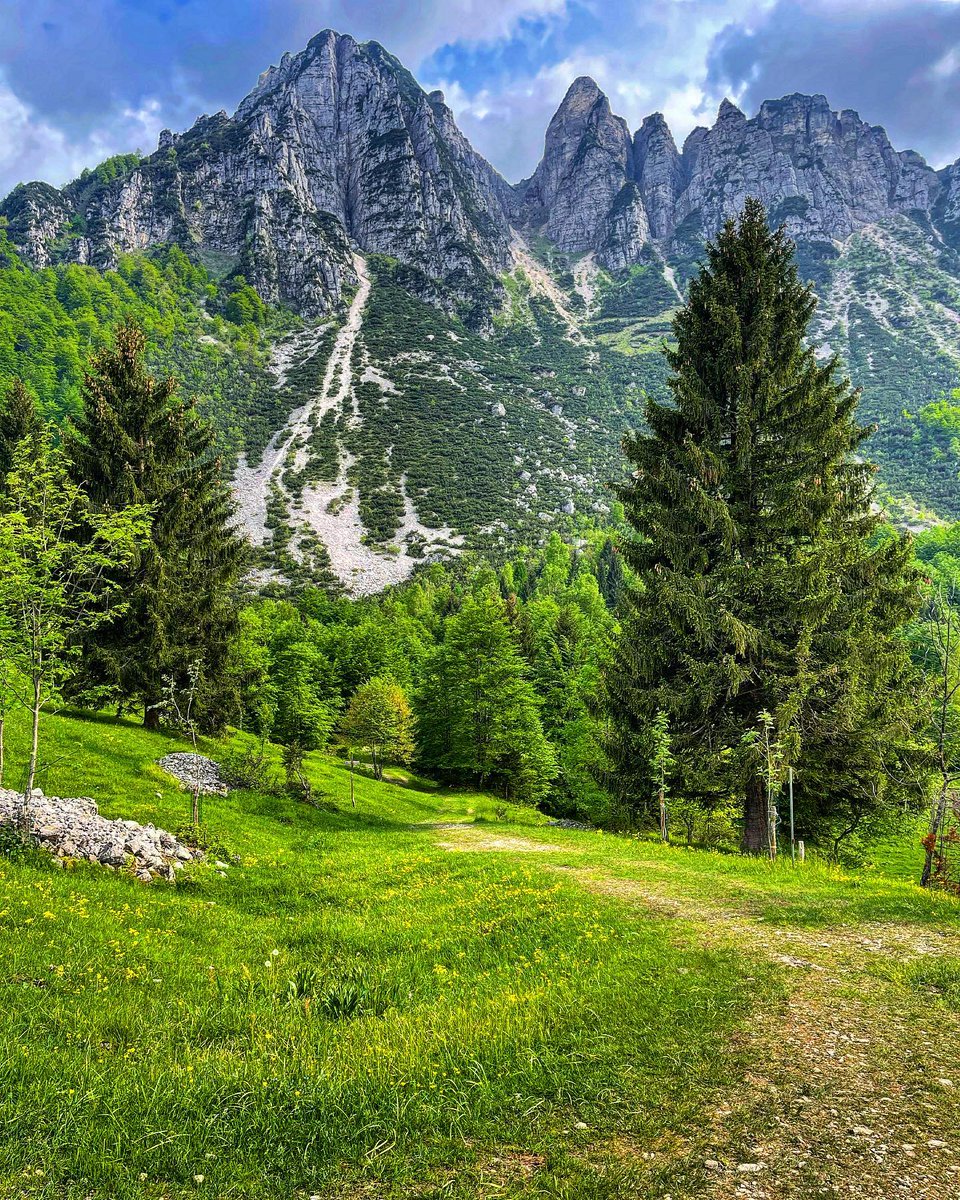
(138, 441)
(764, 586)
(477, 716)
(18, 419)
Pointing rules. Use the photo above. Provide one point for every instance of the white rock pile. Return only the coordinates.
(191, 769)
(73, 828)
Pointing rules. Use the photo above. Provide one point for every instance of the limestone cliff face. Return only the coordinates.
(338, 148)
(659, 172)
(587, 160)
(335, 147)
(38, 218)
(824, 174)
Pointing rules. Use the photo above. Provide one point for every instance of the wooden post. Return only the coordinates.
(353, 800)
(793, 843)
(800, 851)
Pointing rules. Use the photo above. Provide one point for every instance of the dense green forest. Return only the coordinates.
(214, 337)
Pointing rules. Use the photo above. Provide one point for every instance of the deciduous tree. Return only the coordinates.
(60, 565)
(379, 719)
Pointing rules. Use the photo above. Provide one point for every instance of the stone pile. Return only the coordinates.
(73, 828)
(191, 769)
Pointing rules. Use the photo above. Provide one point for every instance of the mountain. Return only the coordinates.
(824, 174)
(459, 357)
(336, 146)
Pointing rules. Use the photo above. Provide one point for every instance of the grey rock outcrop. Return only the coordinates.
(336, 147)
(626, 230)
(73, 828)
(824, 174)
(588, 156)
(38, 217)
(659, 169)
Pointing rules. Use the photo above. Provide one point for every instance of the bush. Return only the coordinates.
(249, 767)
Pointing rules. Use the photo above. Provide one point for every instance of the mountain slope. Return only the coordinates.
(472, 352)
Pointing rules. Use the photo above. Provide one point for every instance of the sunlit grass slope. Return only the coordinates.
(351, 1010)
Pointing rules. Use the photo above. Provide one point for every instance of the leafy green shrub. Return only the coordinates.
(249, 767)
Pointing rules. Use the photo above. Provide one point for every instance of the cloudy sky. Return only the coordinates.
(83, 79)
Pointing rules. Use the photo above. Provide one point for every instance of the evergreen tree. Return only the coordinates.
(610, 573)
(138, 441)
(477, 716)
(763, 584)
(18, 419)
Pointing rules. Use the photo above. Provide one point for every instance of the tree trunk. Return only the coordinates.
(151, 716)
(930, 841)
(756, 839)
(34, 743)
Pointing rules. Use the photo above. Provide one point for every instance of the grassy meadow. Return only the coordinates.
(429, 995)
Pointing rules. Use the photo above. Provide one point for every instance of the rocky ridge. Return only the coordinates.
(73, 828)
(338, 149)
(825, 174)
(335, 147)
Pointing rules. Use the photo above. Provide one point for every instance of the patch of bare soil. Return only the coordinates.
(858, 1094)
(471, 837)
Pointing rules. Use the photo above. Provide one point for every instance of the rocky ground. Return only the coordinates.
(194, 769)
(73, 828)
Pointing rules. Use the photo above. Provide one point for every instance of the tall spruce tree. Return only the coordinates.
(18, 419)
(764, 583)
(138, 441)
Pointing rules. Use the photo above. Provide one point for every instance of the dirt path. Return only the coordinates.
(853, 1084)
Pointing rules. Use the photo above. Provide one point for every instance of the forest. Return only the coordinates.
(745, 615)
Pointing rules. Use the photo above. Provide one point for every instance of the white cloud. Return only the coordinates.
(413, 31)
(647, 57)
(33, 148)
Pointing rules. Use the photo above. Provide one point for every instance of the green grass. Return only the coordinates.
(351, 1010)
(814, 894)
(354, 1010)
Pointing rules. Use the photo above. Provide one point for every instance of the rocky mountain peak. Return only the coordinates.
(728, 111)
(587, 157)
(336, 147)
(824, 173)
(659, 171)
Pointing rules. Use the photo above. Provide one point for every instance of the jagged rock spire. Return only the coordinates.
(587, 158)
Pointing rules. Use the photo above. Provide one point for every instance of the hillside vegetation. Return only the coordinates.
(435, 995)
(214, 338)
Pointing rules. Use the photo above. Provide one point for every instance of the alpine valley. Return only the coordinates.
(406, 355)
